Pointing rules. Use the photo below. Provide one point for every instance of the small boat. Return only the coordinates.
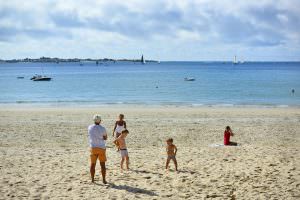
(37, 77)
(189, 79)
(143, 61)
(40, 78)
(235, 62)
(20, 77)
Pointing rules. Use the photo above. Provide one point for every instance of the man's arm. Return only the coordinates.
(88, 134)
(124, 124)
(105, 135)
(175, 150)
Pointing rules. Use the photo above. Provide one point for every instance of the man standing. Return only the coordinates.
(97, 137)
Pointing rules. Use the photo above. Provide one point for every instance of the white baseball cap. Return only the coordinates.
(97, 118)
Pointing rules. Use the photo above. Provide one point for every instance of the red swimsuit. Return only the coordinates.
(226, 138)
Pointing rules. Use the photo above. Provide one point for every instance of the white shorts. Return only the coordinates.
(123, 152)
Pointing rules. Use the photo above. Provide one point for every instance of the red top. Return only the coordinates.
(226, 137)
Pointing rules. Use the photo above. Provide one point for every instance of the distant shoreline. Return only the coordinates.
(58, 60)
(104, 60)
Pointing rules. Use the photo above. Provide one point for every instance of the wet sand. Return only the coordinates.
(45, 155)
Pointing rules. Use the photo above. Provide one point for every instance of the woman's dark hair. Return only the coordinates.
(170, 140)
(228, 128)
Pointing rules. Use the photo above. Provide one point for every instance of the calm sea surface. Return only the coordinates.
(217, 83)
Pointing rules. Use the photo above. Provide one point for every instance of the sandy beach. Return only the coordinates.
(44, 153)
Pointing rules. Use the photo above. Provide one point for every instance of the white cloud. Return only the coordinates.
(125, 28)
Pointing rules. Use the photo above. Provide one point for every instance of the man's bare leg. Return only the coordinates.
(103, 171)
(92, 171)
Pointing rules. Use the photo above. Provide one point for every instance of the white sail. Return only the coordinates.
(143, 61)
(235, 60)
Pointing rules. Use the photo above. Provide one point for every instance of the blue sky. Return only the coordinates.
(164, 30)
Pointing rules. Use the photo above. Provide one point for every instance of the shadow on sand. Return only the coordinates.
(188, 172)
(132, 189)
(145, 172)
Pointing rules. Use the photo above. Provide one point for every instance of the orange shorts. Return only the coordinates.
(98, 153)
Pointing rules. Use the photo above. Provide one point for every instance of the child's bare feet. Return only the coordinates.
(104, 182)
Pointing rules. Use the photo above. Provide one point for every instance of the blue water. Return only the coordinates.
(217, 83)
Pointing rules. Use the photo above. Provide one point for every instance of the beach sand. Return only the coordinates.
(44, 153)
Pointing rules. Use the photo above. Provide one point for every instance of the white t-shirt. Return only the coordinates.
(96, 133)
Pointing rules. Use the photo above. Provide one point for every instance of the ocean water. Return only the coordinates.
(217, 83)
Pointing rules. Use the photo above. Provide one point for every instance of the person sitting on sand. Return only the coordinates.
(120, 142)
(97, 137)
(120, 125)
(227, 133)
(171, 152)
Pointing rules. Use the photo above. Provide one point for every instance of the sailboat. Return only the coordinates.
(143, 61)
(235, 62)
(41, 77)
